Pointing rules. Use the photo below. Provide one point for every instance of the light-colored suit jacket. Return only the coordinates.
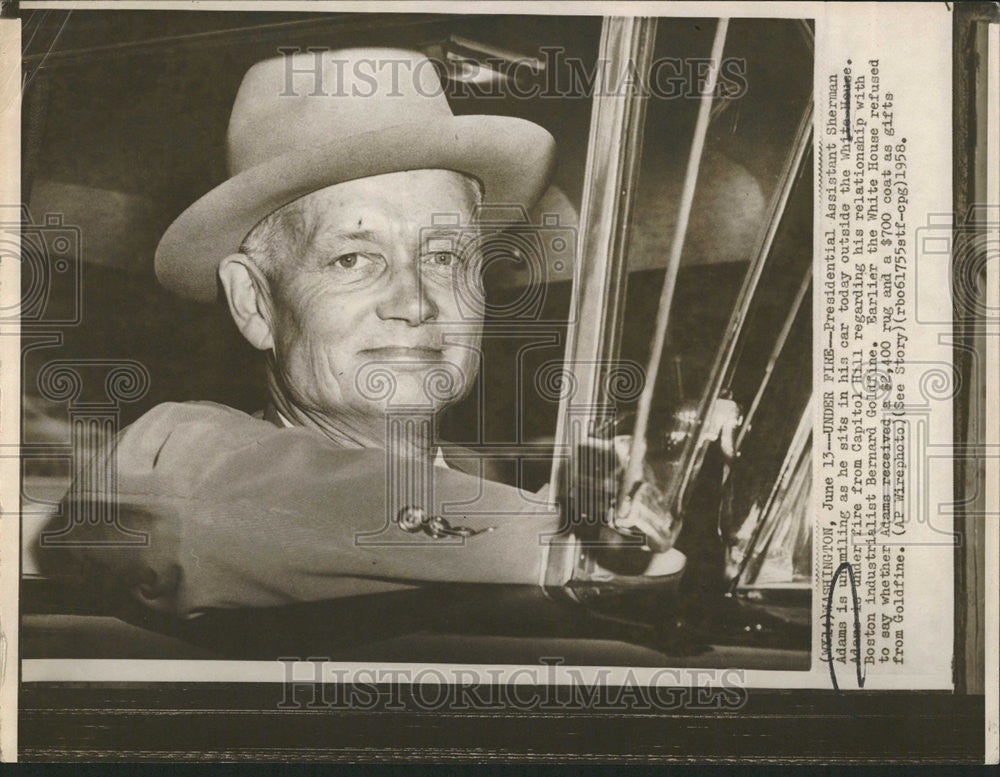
(239, 512)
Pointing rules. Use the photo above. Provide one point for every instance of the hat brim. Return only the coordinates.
(512, 158)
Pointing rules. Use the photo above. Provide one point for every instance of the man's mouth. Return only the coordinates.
(404, 352)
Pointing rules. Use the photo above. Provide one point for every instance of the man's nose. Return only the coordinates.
(406, 298)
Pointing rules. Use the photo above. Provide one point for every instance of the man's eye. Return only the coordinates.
(351, 261)
(441, 258)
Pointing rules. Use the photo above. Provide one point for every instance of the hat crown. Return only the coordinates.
(310, 98)
(317, 118)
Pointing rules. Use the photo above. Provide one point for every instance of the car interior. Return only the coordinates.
(124, 127)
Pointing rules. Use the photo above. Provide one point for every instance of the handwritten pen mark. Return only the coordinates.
(847, 107)
(857, 630)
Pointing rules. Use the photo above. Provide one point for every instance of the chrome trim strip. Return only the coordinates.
(722, 367)
(613, 153)
(801, 440)
(637, 452)
(772, 359)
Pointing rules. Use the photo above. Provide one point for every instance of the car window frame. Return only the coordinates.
(614, 153)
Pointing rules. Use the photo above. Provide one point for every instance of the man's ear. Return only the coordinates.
(247, 292)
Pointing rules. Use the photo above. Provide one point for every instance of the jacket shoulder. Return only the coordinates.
(183, 437)
(169, 415)
(192, 419)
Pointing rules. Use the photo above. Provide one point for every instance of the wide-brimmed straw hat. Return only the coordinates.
(309, 120)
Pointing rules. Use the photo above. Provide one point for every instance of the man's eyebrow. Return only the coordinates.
(433, 233)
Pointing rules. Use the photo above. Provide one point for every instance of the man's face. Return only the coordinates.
(377, 306)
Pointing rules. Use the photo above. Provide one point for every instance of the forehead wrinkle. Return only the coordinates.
(382, 222)
(329, 234)
(337, 210)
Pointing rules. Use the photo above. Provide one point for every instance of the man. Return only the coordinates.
(328, 244)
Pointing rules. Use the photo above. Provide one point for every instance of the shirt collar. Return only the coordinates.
(439, 460)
